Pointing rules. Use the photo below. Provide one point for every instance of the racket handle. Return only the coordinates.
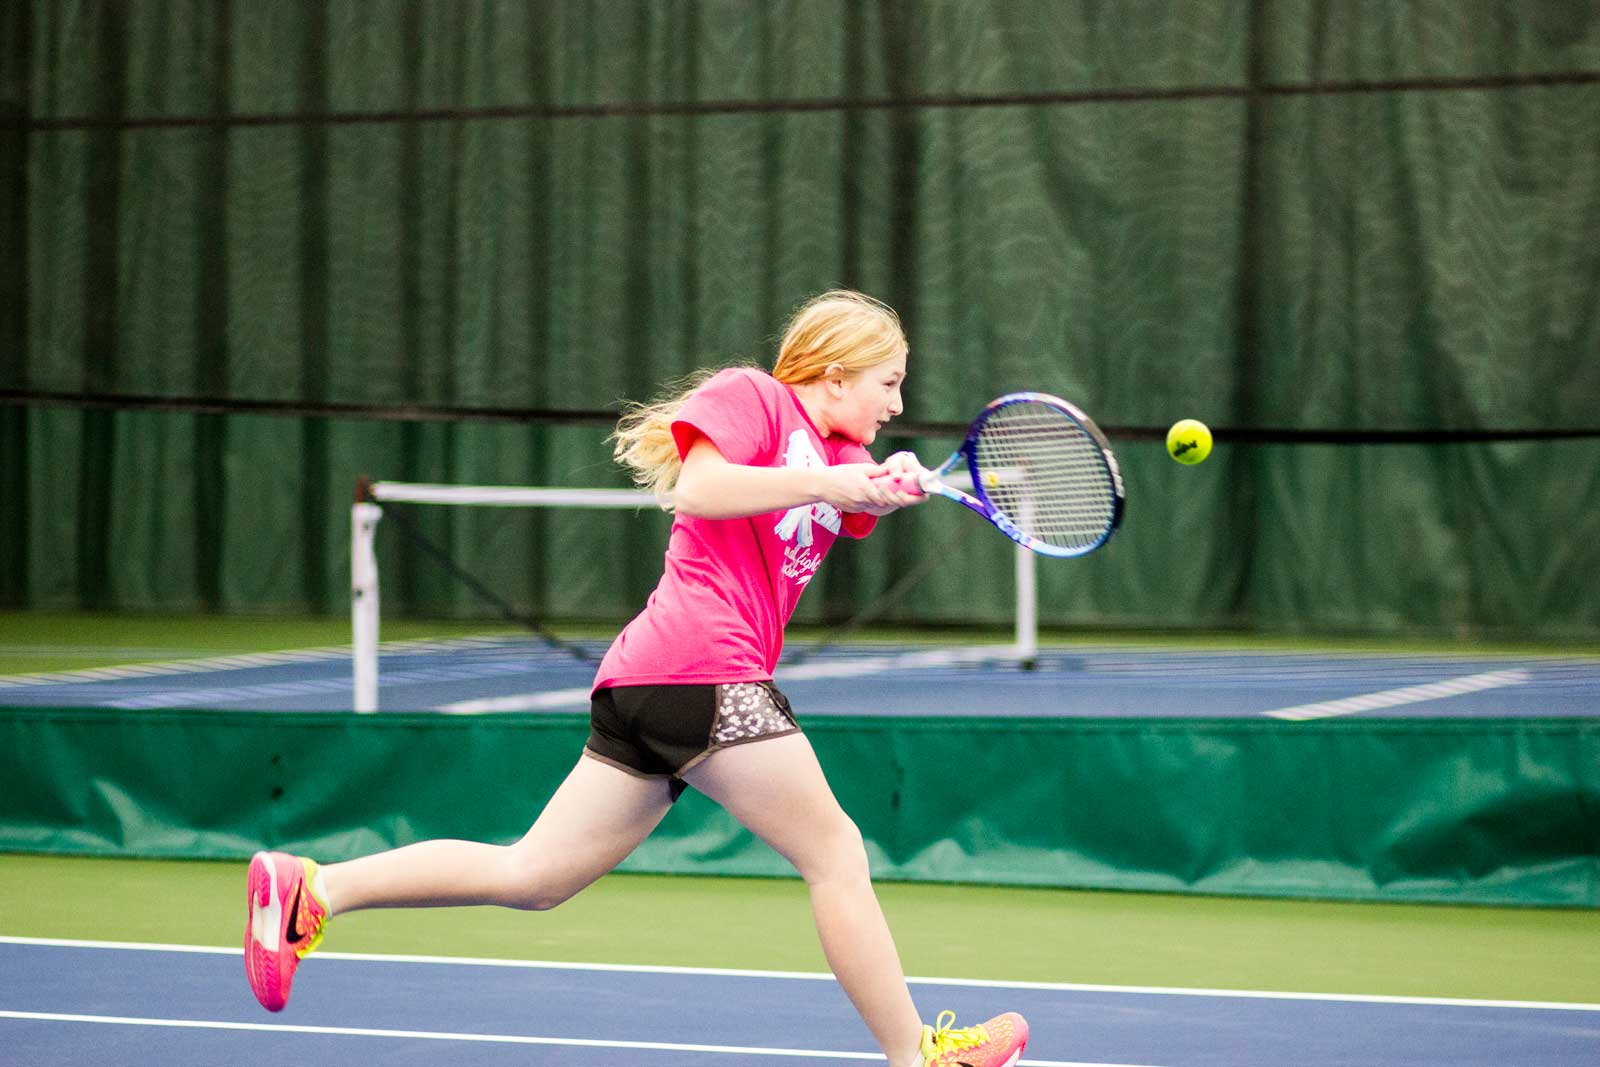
(906, 485)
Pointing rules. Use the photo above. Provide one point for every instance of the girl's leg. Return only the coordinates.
(597, 816)
(777, 790)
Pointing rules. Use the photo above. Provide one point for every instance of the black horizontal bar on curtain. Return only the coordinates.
(633, 109)
(190, 405)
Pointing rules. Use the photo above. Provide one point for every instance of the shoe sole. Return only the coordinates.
(264, 923)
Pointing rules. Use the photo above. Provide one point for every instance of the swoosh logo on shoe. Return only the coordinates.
(295, 936)
(1015, 1056)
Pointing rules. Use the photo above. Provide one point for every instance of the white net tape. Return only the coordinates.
(1056, 485)
(511, 496)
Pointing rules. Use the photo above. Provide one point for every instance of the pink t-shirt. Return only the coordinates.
(730, 585)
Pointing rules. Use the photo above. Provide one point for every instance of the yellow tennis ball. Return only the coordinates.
(1189, 441)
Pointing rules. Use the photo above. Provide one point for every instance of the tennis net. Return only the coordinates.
(368, 511)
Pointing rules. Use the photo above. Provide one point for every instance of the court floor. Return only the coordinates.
(73, 1002)
(500, 673)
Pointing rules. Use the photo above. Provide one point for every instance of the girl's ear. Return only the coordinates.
(834, 376)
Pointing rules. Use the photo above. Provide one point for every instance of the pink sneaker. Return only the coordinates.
(284, 922)
(996, 1043)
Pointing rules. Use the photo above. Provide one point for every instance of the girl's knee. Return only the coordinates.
(535, 899)
(838, 854)
(527, 884)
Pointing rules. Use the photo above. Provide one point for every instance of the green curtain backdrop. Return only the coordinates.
(1271, 215)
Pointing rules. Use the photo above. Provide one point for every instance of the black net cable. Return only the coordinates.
(506, 609)
(882, 602)
(917, 102)
(444, 413)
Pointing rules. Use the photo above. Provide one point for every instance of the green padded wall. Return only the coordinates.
(1473, 810)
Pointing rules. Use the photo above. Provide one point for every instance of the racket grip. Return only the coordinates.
(904, 484)
(911, 485)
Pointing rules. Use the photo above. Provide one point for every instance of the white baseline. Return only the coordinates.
(721, 972)
(1391, 698)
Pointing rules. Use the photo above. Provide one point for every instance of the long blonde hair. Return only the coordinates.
(840, 327)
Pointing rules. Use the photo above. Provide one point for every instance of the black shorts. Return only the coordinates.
(660, 731)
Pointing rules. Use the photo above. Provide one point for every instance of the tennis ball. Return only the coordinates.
(1189, 441)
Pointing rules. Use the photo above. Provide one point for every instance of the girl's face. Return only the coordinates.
(867, 400)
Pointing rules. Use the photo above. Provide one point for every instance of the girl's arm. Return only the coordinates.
(709, 487)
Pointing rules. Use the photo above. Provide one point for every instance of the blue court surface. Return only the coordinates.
(65, 1002)
(497, 674)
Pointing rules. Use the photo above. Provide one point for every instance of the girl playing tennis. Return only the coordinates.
(765, 471)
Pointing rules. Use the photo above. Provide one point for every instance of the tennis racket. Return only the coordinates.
(1041, 471)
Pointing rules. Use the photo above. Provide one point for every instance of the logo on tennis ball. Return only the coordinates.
(1189, 441)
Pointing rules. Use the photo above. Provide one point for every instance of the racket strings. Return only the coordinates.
(1046, 473)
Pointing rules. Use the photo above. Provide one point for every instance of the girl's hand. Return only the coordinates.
(858, 487)
(897, 480)
(906, 468)
(901, 470)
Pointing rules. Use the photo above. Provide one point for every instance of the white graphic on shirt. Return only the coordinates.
(795, 526)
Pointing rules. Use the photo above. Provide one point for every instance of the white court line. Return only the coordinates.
(721, 972)
(178, 666)
(425, 1035)
(498, 1039)
(235, 661)
(1390, 698)
(546, 701)
(849, 668)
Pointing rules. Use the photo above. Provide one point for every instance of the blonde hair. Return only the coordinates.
(839, 328)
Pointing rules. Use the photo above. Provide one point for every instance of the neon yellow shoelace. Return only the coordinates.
(945, 1038)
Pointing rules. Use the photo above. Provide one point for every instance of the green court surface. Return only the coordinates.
(32, 642)
(1131, 939)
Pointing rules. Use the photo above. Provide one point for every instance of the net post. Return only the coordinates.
(1027, 610)
(1027, 623)
(364, 516)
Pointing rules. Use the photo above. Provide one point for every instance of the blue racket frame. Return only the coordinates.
(933, 481)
